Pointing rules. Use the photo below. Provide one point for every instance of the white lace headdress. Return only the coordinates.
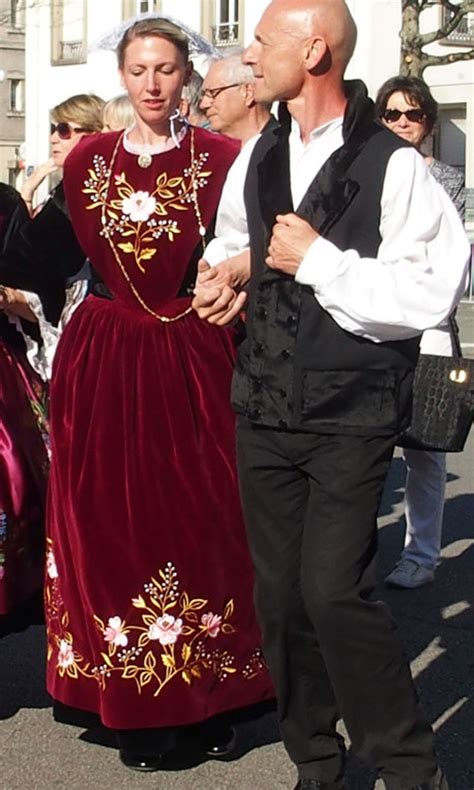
(198, 44)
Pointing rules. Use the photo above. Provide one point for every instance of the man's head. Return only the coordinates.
(296, 40)
(228, 96)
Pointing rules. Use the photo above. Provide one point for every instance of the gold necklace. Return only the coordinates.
(202, 232)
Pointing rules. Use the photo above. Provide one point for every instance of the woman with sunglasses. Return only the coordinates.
(30, 326)
(406, 106)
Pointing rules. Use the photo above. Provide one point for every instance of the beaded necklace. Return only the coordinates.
(202, 232)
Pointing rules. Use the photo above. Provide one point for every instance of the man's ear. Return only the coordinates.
(315, 52)
(189, 71)
(249, 94)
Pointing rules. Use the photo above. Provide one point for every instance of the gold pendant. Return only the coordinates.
(145, 160)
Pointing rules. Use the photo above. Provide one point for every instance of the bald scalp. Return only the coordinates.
(329, 19)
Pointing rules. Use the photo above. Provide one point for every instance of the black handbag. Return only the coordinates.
(443, 402)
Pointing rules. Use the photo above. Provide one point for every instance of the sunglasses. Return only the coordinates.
(415, 116)
(65, 130)
(213, 93)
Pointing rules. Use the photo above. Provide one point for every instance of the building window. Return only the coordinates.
(463, 35)
(17, 13)
(69, 32)
(16, 102)
(146, 6)
(225, 30)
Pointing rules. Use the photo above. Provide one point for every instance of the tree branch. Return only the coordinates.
(450, 26)
(445, 60)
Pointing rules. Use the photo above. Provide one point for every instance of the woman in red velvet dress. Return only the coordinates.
(149, 583)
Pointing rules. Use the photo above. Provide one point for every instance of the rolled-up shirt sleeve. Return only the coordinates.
(232, 235)
(421, 269)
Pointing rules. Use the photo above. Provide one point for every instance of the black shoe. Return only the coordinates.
(315, 784)
(219, 744)
(140, 762)
(438, 782)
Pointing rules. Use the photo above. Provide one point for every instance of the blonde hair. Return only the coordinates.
(83, 110)
(154, 27)
(118, 113)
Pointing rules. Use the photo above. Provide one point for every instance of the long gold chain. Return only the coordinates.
(202, 232)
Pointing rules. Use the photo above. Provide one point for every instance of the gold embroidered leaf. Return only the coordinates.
(184, 600)
(93, 175)
(227, 628)
(112, 214)
(139, 603)
(128, 233)
(146, 254)
(168, 661)
(162, 180)
(186, 677)
(148, 619)
(107, 660)
(205, 174)
(50, 652)
(197, 603)
(144, 239)
(89, 191)
(121, 178)
(172, 232)
(127, 247)
(72, 671)
(229, 670)
(175, 182)
(160, 210)
(93, 205)
(65, 620)
(166, 193)
(196, 672)
(99, 623)
(186, 653)
(186, 630)
(150, 661)
(178, 206)
(229, 609)
(130, 672)
(125, 192)
(145, 678)
(144, 639)
(191, 617)
(116, 204)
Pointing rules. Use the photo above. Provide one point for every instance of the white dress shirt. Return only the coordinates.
(421, 268)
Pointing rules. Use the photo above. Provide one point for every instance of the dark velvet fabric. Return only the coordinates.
(149, 583)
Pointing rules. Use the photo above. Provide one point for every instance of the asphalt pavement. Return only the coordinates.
(436, 625)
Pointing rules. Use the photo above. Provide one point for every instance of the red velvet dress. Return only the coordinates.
(149, 581)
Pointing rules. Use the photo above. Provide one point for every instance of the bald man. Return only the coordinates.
(228, 100)
(355, 250)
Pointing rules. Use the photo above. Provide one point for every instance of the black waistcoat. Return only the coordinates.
(297, 369)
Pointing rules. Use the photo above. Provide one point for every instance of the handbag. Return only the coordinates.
(443, 401)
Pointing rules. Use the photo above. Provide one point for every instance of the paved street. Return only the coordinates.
(436, 625)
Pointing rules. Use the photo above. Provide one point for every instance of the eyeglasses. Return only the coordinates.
(415, 116)
(213, 93)
(65, 130)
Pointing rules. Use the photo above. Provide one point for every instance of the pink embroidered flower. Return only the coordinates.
(140, 206)
(213, 623)
(66, 654)
(166, 629)
(51, 568)
(114, 632)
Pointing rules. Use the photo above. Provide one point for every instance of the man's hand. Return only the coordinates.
(234, 272)
(215, 300)
(291, 239)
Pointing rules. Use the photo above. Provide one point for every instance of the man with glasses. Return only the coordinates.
(228, 100)
(350, 240)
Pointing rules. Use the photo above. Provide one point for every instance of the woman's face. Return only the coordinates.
(64, 137)
(153, 74)
(414, 130)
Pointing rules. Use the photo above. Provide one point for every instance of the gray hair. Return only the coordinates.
(237, 71)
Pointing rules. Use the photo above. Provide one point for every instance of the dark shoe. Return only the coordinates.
(438, 782)
(140, 762)
(219, 744)
(315, 784)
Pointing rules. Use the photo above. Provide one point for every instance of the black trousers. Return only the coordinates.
(310, 503)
